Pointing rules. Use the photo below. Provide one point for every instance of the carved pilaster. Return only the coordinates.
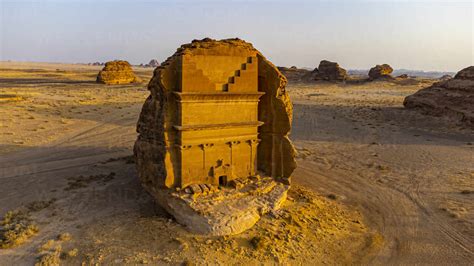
(204, 147)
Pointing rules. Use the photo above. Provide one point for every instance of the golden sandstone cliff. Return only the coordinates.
(215, 129)
(117, 72)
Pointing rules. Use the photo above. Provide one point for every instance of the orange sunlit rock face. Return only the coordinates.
(217, 111)
(117, 72)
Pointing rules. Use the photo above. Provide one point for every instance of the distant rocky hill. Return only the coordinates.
(412, 73)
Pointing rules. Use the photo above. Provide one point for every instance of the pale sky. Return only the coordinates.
(421, 35)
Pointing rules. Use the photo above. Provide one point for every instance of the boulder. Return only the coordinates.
(330, 71)
(153, 63)
(185, 144)
(117, 72)
(467, 73)
(380, 72)
(452, 98)
(402, 76)
(446, 77)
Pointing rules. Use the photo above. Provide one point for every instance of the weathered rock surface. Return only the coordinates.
(453, 98)
(228, 211)
(467, 73)
(294, 74)
(381, 72)
(330, 71)
(117, 72)
(153, 63)
(446, 77)
(206, 147)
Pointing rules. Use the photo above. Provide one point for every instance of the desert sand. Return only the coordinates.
(375, 183)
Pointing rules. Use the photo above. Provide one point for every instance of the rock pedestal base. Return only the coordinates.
(224, 211)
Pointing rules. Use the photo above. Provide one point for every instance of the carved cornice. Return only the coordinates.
(207, 97)
(217, 126)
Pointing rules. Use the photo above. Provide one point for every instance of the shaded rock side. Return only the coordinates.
(466, 73)
(330, 71)
(380, 72)
(445, 77)
(156, 165)
(153, 63)
(276, 153)
(452, 98)
(117, 72)
(294, 74)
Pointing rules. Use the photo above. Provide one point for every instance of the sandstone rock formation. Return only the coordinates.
(117, 72)
(294, 74)
(467, 73)
(228, 211)
(330, 71)
(453, 98)
(153, 63)
(218, 116)
(380, 72)
(446, 77)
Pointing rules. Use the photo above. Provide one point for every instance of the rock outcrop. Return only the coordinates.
(187, 145)
(467, 73)
(153, 63)
(380, 72)
(117, 72)
(453, 98)
(294, 74)
(330, 71)
(445, 77)
(227, 211)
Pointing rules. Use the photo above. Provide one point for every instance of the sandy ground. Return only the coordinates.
(375, 183)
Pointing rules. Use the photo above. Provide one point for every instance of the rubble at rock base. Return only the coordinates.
(226, 211)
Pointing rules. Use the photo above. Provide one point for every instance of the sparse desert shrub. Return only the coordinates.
(15, 229)
(47, 245)
(51, 258)
(39, 205)
(73, 252)
(64, 237)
